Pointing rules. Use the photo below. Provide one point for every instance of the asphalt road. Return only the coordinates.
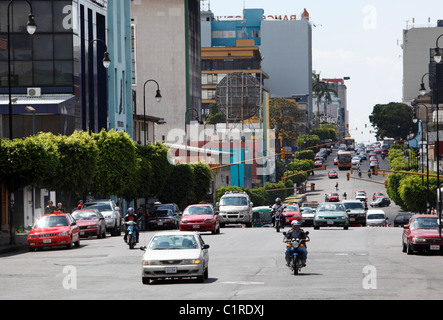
(246, 264)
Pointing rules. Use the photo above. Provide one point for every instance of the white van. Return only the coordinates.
(235, 207)
(376, 218)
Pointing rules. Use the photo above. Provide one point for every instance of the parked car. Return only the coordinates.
(331, 215)
(333, 197)
(110, 212)
(235, 207)
(332, 174)
(54, 230)
(421, 234)
(318, 163)
(91, 223)
(291, 212)
(381, 202)
(200, 217)
(172, 206)
(175, 255)
(357, 212)
(162, 218)
(402, 218)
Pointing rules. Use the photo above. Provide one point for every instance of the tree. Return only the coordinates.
(393, 120)
(203, 178)
(321, 90)
(284, 116)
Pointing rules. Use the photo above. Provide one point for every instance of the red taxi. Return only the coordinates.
(421, 234)
(377, 195)
(291, 212)
(332, 174)
(200, 217)
(57, 229)
(333, 197)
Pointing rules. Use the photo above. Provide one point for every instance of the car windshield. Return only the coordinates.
(176, 242)
(100, 206)
(197, 210)
(51, 221)
(84, 215)
(354, 205)
(376, 216)
(425, 223)
(331, 207)
(233, 201)
(291, 208)
(161, 213)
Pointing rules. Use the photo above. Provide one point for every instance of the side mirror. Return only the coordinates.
(143, 248)
(205, 246)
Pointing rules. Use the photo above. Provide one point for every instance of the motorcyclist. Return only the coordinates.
(297, 233)
(278, 208)
(131, 216)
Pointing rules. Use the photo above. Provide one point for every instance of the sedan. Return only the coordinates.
(54, 230)
(291, 212)
(333, 174)
(318, 163)
(162, 219)
(356, 161)
(381, 202)
(377, 195)
(175, 254)
(331, 215)
(91, 223)
(333, 197)
(421, 234)
(402, 219)
(200, 217)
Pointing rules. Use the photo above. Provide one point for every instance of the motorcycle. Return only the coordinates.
(132, 238)
(295, 264)
(278, 219)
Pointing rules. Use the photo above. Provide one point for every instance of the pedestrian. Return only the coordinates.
(326, 197)
(336, 186)
(50, 208)
(59, 208)
(345, 195)
(80, 205)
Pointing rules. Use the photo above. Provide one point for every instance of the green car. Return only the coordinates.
(330, 214)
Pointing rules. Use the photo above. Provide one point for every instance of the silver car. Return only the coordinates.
(175, 254)
(110, 212)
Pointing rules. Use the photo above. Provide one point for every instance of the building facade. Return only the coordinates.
(166, 45)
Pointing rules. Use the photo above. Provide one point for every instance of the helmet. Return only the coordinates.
(295, 223)
(130, 210)
(278, 200)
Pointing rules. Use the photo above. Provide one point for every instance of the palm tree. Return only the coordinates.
(321, 89)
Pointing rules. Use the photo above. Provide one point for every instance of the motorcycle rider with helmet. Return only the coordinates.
(131, 216)
(277, 208)
(297, 233)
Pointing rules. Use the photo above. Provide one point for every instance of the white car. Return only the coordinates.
(175, 254)
(356, 161)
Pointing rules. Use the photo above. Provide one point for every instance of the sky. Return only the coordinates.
(357, 39)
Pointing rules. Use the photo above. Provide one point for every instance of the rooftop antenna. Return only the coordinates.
(244, 30)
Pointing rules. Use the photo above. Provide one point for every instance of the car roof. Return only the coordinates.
(175, 233)
(352, 201)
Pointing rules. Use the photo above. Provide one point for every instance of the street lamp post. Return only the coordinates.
(158, 98)
(106, 64)
(437, 56)
(31, 28)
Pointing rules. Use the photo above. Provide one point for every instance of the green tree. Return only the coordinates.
(308, 142)
(393, 120)
(161, 167)
(180, 186)
(321, 90)
(203, 178)
(284, 116)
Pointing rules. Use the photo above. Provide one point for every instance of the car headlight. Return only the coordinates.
(150, 262)
(191, 261)
(32, 236)
(184, 221)
(209, 220)
(63, 234)
(91, 227)
(418, 239)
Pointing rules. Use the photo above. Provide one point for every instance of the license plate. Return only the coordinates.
(82, 233)
(352, 219)
(435, 247)
(160, 223)
(330, 222)
(196, 226)
(47, 240)
(170, 270)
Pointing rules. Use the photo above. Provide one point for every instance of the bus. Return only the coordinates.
(350, 143)
(344, 160)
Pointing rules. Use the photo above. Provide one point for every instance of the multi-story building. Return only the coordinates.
(59, 72)
(285, 44)
(166, 42)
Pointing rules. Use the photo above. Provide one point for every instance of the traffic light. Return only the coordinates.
(216, 168)
(323, 167)
(348, 176)
(376, 170)
(386, 184)
(283, 153)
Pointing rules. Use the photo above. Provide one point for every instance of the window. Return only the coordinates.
(223, 34)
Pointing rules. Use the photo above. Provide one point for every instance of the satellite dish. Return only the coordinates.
(238, 96)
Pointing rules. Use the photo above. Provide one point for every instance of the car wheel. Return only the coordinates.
(345, 228)
(146, 280)
(70, 245)
(99, 234)
(316, 228)
(409, 249)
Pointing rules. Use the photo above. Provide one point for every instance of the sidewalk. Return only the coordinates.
(20, 240)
